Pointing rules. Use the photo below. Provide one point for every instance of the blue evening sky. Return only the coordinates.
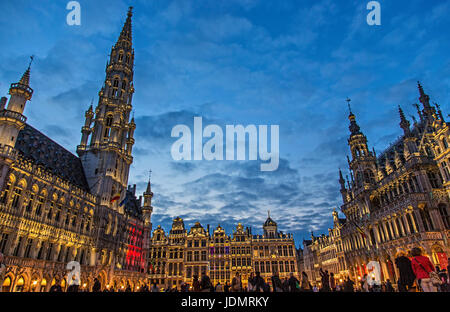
(290, 63)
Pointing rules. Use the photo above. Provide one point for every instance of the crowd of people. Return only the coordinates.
(416, 274)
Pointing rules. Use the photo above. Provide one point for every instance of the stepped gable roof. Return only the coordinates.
(41, 150)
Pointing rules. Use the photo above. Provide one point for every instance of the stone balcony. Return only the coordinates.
(7, 114)
(7, 151)
(11, 261)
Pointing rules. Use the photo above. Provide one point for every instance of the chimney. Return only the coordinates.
(3, 102)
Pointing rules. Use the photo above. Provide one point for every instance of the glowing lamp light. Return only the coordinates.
(122, 287)
(84, 285)
(34, 283)
(107, 286)
(359, 278)
(137, 287)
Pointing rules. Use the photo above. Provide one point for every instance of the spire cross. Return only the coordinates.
(149, 174)
(31, 61)
(348, 103)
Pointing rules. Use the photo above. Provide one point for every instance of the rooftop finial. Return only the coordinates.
(420, 88)
(349, 106)
(148, 191)
(418, 111)
(130, 11)
(31, 61)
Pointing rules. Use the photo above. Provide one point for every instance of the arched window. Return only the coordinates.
(359, 179)
(443, 211)
(115, 87)
(20, 284)
(446, 171)
(43, 285)
(16, 197)
(6, 287)
(369, 176)
(433, 179)
(108, 125)
(445, 143)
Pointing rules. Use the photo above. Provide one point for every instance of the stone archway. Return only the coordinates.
(102, 278)
(43, 285)
(20, 283)
(35, 282)
(7, 283)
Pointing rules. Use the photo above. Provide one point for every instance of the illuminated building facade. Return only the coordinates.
(241, 253)
(396, 200)
(56, 207)
(219, 255)
(274, 252)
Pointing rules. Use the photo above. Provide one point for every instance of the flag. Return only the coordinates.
(360, 230)
(115, 198)
(124, 201)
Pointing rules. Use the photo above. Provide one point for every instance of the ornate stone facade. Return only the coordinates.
(56, 207)
(396, 200)
(180, 255)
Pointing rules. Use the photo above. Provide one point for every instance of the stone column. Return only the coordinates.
(405, 222)
(393, 229)
(436, 219)
(419, 220)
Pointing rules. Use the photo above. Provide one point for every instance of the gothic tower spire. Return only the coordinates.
(404, 123)
(147, 208)
(363, 162)
(12, 121)
(428, 111)
(108, 155)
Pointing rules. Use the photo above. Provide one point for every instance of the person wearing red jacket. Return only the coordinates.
(422, 267)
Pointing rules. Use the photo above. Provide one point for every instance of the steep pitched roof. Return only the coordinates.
(35, 146)
(133, 205)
